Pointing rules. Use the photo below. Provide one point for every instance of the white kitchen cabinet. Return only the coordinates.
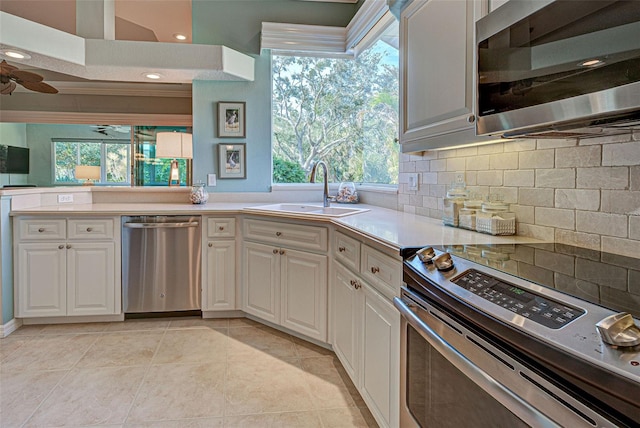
(219, 267)
(494, 4)
(366, 326)
(437, 72)
(283, 283)
(66, 267)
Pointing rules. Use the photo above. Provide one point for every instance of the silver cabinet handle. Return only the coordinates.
(60, 247)
(89, 229)
(41, 230)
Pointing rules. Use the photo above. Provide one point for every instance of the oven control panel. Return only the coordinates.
(540, 309)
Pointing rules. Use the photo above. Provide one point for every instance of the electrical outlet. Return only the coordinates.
(459, 177)
(414, 178)
(211, 180)
(65, 199)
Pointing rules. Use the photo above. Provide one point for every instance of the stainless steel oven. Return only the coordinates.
(478, 349)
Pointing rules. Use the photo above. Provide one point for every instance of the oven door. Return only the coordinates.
(450, 377)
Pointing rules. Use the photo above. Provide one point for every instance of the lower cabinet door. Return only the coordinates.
(41, 280)
(380, 377)
(304, 293)
(221, 275)
(346, 315)
(261, 281)
(91, 283)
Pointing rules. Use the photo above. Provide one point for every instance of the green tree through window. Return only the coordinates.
(342, 111)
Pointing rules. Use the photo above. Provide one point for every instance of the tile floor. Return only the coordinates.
(185, 373)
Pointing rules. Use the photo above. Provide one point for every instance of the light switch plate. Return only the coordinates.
(62, 199)
(414, 178)
(211, 180)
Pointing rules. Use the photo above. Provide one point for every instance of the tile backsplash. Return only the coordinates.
(583, 192)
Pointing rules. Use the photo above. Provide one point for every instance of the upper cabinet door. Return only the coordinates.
(437, 56)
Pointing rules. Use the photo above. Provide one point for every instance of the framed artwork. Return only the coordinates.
(232, 161)
(231, 119)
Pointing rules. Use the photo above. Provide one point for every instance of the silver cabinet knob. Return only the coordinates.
(471, 118)
(619, 330)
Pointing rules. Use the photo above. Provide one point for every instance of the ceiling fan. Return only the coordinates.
(11, 75)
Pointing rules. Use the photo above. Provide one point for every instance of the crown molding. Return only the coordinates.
(15, 116)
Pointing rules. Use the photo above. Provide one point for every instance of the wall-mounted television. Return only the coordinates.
(14, 160)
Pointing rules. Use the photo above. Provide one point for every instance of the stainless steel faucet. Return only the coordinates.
(325, 196)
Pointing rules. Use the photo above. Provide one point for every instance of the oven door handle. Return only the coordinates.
(526, 412)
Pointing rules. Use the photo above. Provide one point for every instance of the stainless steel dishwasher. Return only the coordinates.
(161, 264)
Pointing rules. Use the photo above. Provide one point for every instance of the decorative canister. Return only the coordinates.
(467, 215)
(495, 219)
(454, 201)
(199, 194)
(347, 193)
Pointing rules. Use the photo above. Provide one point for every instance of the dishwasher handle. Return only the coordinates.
(168, 225)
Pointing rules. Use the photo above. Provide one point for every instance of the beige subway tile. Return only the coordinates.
(555, 217)
(621, 154)
(456, 164)
(621, 202)
(602, 223)
(489, 178)
(415, 200)
(519, 145)
(539, 232)
(536, 197)
(423, 165)
(634, 227)
(555, 143)
(578, 239)
(403, 198)
(488, 149)
(429, 155)
(439, 165)
(423, 189)
(446, 178)
(422, 211)
(409, 209)
(603, 178)
(519, 178)
(408, 167)
(405, 157)
(509, 194)
(608, 139)
(634, 178)
(556, 177)
(524, 213)
(477, 163)
(436, 213)
(588, 200)
(504, 161)
(445, 154)
(536, 159)
(430, 202)
(483, 191)
(471, 178)
(625, 247)
(403, 177)
(438, 190)
(429, 177)
(467, 151)
(579, 156)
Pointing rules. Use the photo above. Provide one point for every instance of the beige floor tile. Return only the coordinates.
(122, 349)
(10, 344)
(29, 330)
(217, 323)
(183, 423)
(192, 346)
(180, 391)
(307, 349)
(348, 417)
(95, 396)
(243, 322)
(49, 353)
(135, 324)
(275, 420)
(248, 341)
(328, 383)
(22, 392)
(263, 383)
(91, 327)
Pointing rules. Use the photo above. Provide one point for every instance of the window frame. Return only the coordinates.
(103, 153)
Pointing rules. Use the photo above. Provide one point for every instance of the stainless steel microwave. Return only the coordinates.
(550, 66)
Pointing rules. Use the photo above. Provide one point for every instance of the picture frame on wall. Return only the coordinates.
(231, 119)
(232, 161)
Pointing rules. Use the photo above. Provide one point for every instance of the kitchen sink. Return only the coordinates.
(307, 210)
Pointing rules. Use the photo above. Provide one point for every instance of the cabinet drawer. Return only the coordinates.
(286, 234)
(347, 250)
(91, 228)
(43, 229)
(218, 227)
(382, 271)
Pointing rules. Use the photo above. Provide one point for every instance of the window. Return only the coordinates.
(112, 156)
(341, 111)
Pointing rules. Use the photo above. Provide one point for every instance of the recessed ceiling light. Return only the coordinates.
(179, 36)
(153, 76)
(592, 63)
(15, 54)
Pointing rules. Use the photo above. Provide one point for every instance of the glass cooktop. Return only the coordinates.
(605, 279)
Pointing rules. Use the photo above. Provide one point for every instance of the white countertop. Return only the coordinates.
(395, 228)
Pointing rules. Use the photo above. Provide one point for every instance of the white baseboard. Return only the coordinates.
(73, 319)
(222, 314)
(10, 327)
